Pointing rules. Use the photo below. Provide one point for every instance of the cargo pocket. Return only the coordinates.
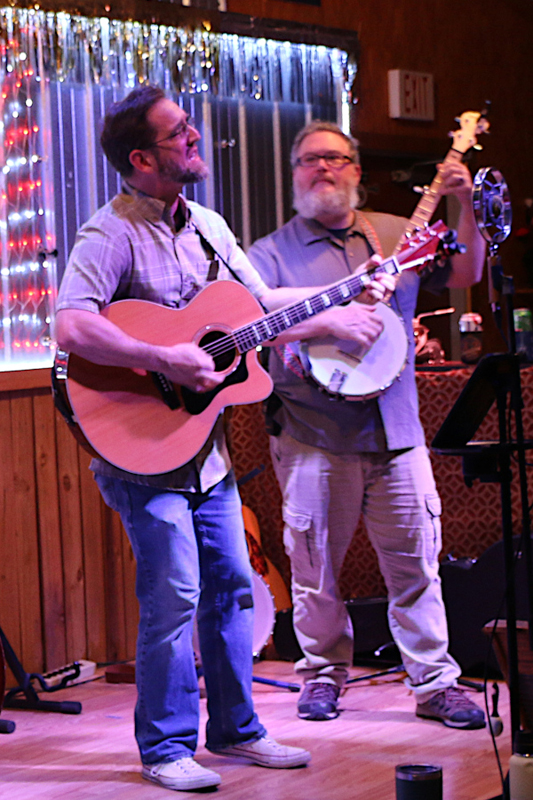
(304, 551)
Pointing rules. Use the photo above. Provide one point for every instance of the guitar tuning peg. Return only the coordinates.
(478, 147)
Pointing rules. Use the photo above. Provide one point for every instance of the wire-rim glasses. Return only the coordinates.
(180, 130)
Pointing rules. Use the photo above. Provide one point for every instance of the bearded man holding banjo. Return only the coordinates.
(336, 460)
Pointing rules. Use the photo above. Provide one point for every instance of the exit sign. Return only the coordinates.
(411, 95)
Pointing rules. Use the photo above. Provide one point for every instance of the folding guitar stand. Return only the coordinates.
(31, 699)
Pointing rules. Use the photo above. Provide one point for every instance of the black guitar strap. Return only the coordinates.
(213, 255)
(181, 218)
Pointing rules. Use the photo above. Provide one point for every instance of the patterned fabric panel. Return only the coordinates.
(471, 519)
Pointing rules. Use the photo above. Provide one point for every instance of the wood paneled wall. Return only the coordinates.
(67, 588)
(477, 50)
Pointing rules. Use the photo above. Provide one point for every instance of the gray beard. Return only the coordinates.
(312, 204)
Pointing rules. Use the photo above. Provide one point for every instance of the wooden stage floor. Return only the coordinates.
(93, 756)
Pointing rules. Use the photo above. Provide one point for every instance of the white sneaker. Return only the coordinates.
(266, 752)
(182, 775)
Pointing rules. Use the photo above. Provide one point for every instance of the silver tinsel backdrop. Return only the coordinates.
(60, 72)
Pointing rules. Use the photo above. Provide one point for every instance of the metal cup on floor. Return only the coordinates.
(418, 782)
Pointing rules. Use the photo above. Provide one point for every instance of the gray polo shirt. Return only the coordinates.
(304, 253)
(130, 249)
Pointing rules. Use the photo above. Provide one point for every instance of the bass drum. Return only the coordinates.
(264, 617)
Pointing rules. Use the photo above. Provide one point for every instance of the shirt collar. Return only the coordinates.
(310, 230)
(153, 209)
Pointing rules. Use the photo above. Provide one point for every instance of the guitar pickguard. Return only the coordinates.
(197, 402)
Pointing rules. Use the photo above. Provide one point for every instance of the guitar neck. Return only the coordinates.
(428, 203)
(271, 325)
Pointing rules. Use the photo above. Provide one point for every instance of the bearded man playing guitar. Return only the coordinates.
(185, 525)
(336, 460)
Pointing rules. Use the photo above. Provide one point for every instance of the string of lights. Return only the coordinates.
(27, 271)
(39, 50)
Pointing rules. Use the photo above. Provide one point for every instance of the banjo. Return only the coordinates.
(351, 372)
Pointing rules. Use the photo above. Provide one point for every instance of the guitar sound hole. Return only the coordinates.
(223, 360)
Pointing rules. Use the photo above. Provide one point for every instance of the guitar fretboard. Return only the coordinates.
(271, 325)
(420, 249)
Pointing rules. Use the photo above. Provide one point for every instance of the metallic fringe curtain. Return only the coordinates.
(57, 74)
(123, 54)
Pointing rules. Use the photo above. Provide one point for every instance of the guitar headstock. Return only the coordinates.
(427, 245)
(472, 124)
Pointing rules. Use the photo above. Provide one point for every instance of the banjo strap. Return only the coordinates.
(370, 234)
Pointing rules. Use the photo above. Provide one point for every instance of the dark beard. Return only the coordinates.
(182, 176)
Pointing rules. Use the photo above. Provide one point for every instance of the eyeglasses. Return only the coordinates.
(180, 130)
(335, 160)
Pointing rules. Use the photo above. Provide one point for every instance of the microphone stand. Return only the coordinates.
(492, 209)
(500, 374)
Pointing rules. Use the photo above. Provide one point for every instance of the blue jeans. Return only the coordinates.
(191, 556)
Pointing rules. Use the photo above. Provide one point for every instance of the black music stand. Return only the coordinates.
(496, 379)
(31, 700)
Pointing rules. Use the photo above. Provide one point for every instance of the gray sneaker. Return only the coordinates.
(183, 775)
(454, 708)
(319, 701)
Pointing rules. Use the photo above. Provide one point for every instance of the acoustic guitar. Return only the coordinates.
(262, 564)
(143, 423)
